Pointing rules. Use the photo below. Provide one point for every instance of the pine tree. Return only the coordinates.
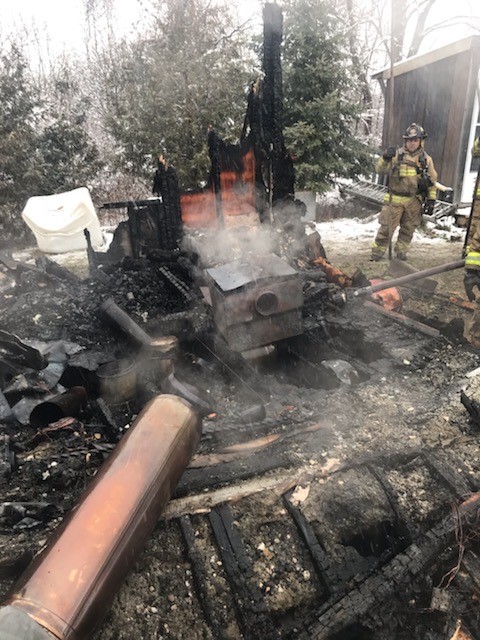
(66, 156)
(319, 89)
(18, 133)
(168, 86)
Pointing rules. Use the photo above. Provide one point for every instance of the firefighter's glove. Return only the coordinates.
(470, 281)
(428, 207)
(389, 153)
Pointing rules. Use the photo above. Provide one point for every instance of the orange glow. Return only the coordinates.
(237, 192)
(390, 299)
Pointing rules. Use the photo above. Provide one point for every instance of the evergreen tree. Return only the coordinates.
(66, 156)
(18, 132)
(167, 87)
(320, 108)
(44, 146)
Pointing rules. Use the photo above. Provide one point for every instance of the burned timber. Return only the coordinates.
(319, 501)
(334, 491)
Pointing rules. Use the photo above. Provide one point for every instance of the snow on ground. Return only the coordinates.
(365, 229)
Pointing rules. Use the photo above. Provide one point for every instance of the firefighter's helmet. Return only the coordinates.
(414, 130)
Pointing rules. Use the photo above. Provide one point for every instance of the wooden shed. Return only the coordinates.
(440, 91)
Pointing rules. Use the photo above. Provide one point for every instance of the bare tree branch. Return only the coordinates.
(419, 32)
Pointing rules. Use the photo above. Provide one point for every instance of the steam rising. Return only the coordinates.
(235, 244)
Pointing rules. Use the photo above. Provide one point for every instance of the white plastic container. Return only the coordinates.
(58, 221)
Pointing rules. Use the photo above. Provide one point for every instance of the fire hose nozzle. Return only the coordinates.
(339, 298)
(352, 294)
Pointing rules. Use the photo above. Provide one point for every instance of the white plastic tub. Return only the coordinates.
(58, 221)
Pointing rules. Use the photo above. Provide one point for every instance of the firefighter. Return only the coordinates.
(472, 280)
(475, 210)
(411, 191)
(472, 260)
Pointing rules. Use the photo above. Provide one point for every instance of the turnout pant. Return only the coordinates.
(407, 215)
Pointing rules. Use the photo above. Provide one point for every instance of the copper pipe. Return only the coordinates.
(71, 584)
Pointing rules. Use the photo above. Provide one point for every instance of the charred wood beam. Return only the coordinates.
(53, 268)
(471, 562)
(134, 229)
(280, 165)
(197, 480)
(111, 427)
(450, 478)
(178, 285)
(409, 322)
(214, 152)
(397, 574)
(468, 622)
(253, 619)
(283, 458)
(403, 520)
(319, 558)
(168, 212)
(213, 615)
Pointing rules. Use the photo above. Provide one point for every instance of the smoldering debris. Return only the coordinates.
(300, 380)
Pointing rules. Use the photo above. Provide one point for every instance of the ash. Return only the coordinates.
(330, 462)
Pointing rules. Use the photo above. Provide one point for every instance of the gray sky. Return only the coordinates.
(61, 23)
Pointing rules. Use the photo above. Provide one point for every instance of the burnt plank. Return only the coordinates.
(394, 576)
(452, 480)
(402, 518)
(213, 615)
(196, 479)
(320, 559)
(471, 563)
(470, 615)
(252, 616)
(409, 322)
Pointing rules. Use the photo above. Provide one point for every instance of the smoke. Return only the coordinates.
(243, 244)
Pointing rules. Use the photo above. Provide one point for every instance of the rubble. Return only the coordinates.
(335, 489)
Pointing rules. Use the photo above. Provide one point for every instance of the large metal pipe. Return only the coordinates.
(69, 587)
(411, 277)
(68, 403)
(121, 319)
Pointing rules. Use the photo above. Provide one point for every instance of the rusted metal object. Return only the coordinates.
(256, 304)
(117, 381)
(162, 354)
(117, 316)
(71, 584)
(333, 274)
(62, 405)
